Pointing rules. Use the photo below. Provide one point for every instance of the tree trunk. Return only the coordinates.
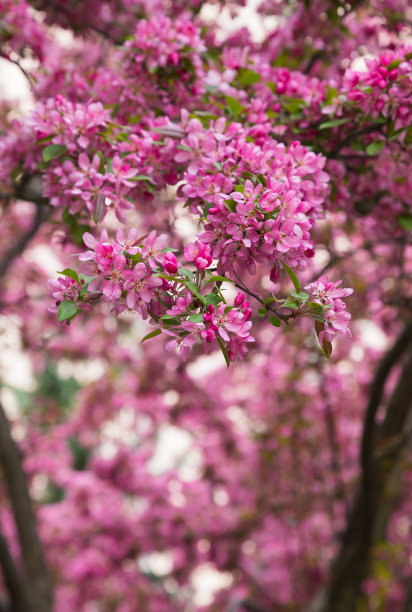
(382, 456)
(29, 591)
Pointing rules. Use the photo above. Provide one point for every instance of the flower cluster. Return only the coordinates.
(250, 222)
(141, 275)
(160, 42)
(385, 87)
(336, 316)
(77, 173)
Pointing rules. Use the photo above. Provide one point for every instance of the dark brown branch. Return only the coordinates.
(70, 14)
(407, 606)
(252, 606)
(382, 455)
(41, 215)
(13, 579)
(284, 317)
(316, 55)
(391, 358)
(36, 574)
(352, 136)
(334, 449)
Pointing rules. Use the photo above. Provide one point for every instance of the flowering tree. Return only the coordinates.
(210, 199)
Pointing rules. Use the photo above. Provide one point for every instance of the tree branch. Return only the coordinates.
(382, 451)
(41, 215)
(37, 576)
(16, 587)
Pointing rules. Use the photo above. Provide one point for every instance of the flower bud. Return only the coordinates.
(169, 263)
(239, 298)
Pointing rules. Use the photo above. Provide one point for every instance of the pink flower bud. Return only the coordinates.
(247, 313)
(210, 335)
(169, 263)
(239, 298)
(275, 274)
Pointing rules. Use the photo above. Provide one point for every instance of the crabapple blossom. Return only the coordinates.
(201, 190)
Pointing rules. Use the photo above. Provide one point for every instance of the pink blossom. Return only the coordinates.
(199, 253)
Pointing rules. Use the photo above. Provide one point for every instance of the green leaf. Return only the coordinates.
(223, 279)
(375, 147)
(292, 304)
(318, 317)
(393, 65)
(170, 320)
(87, 280)
(101, 166)
(185, 272)
(406, 222)
(196, 318)
(80, 453)
(357, 146)
(142, 177)
(268, 301)
(294, 106)
(136, 258)
(331, 94)
(51, 385)
(53, 151)
(408, 137)
(45, 139)
(333, 123)
(205, 114)
(327, 348)
(315, 306)
(67, 310)
(194, 289)
(393, 135)
(53, 494)
(207, 207)
(302, 295)
(168, 277)
(262, 312)
(230, 205)
(234, 105)
(16, 172)
(71, 273)
(153, 334)
(248, 77)
(213, 298)
(275, 321)
(292, 276)
(224, 351)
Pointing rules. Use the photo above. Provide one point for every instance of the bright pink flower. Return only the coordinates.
(199, 253)
(140, 286)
